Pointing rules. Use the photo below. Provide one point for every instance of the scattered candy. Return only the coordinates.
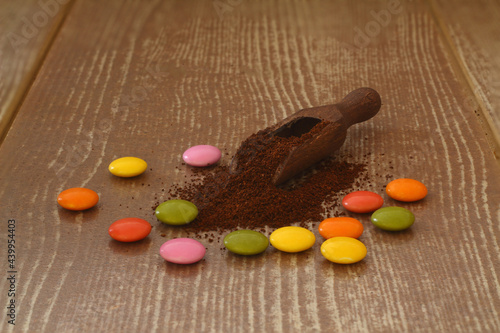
(340, 227)
(362, 202)
(182, 251)
(176, 212)
(128, 167)
(77, 198)
(341, 233)
(406, 189)
(202, 155)
(343, 250)
(292, 239)
(393, 218)
(130, 229)
(246, 242)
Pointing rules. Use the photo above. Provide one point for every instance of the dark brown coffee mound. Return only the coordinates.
(245, 197)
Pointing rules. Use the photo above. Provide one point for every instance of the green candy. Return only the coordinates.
(176, 212)
(246, 242)
(393, 218)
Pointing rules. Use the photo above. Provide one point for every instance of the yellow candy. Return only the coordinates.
(128, 167)
(292, 239)
(343, 250)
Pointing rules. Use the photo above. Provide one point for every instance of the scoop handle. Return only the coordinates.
(359, 105)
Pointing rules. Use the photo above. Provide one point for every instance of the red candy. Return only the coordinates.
(130, 229)
(362, 202)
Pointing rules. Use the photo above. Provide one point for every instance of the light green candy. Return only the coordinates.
(246, 242)
(176, 212)
(393, 218)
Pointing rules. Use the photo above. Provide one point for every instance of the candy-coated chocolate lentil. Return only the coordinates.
(128, 167)
(130, 229)
(362, 202)
(176, 212)
(77, 198)
(406, 189)
(343, 250)
(340, 227)
(246, 242)
(393, 218)
(182, 251)
(292, 239)
(202, 155)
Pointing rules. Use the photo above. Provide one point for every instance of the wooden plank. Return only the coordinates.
(27, 29)
(150, 79)
(472, 30)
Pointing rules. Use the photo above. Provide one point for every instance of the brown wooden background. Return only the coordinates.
(104, 79)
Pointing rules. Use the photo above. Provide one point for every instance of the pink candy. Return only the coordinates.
(182, 251)
(202, 155)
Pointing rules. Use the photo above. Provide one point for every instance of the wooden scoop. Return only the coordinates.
(358, 106)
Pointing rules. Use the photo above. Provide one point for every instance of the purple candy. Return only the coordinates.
(202, 155)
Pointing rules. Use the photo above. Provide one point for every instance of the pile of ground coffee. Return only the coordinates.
(245, 197)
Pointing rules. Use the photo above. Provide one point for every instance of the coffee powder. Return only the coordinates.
(243, 196)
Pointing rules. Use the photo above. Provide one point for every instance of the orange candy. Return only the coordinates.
(406, 189)
(77, 198)
(340, 227)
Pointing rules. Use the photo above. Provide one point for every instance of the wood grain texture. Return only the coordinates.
(26, 31)
(473, 31)
(152, 78)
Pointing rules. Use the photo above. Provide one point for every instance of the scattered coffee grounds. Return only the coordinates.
(243, 196)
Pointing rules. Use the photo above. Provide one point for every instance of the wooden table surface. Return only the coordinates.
(85, 82)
